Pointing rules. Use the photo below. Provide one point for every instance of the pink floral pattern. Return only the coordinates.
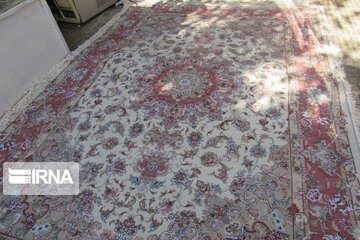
(190, 128)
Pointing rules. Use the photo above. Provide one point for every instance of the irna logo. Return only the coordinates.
(38, 176)
(41, 178)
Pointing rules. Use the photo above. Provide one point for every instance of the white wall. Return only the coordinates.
(30, 45)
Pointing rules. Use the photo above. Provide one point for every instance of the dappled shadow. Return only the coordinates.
(345, 14)
(254, 52)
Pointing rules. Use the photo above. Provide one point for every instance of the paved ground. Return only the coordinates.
(75, 34)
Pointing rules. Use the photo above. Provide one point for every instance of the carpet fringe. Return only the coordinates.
(39, 85)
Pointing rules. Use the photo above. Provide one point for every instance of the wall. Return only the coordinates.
(30, 45)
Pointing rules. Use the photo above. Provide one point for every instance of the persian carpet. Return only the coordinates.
(194, 122)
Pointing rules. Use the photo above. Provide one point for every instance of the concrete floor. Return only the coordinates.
(75, 34)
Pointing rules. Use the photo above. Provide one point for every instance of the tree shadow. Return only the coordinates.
(147, 24)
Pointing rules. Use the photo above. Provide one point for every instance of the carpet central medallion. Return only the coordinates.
(186, 90)
(185, 84)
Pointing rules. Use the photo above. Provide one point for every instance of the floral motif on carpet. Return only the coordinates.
(193, 123)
